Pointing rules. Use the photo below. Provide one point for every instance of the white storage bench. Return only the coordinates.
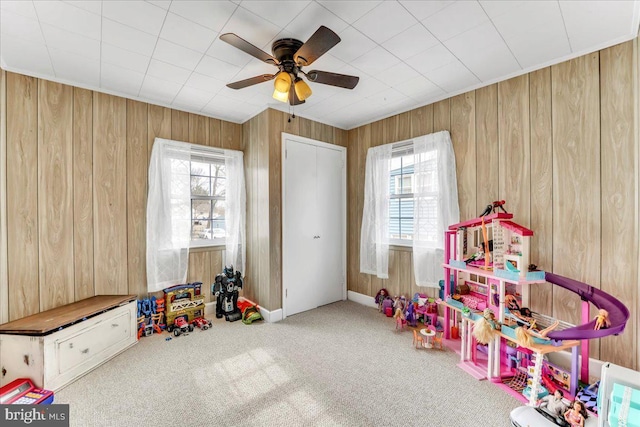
(55, 347)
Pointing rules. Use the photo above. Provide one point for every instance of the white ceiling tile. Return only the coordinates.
(194, 99)
(326, 62)
(493, 62)
(368, 86)
(71, 18)
(181, 31)
(127, 38)
(452, 77)
(211, 14)
(424, 9)
(124, 58)
(419, 88)
(531, 19)
(75, 68)
(311, 18)
(497, 8)
(21, 7)
(175, 54)
(20, 26)
(352, 45)
(455, 19)
(26, 56)
(89, 6)
(385, 21)
(165, 4)
(120, 79)
(205, 83)
(225, 52)
(397, 74)
(387, 96)
(590, 23)
(410, 42)
(350, 11)
(250, 95)
(375, 61)
(217, 69)
(532, 52)
(255, 68)
(137, 14)
(71, 42)
(159, 90)
(432, 58)
(275, 11)
(168, 72)
(257, 31)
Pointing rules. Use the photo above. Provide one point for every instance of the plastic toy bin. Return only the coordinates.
(625, 407)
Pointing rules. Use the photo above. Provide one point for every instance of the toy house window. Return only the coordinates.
(208, 192)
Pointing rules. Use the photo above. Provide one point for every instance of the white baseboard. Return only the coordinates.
(362, 299)
(210, 308)
(271, 316)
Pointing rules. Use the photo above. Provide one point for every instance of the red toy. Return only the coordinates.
(23, 392)
(180, 326)
(201, 323)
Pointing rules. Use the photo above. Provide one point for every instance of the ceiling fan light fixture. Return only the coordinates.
(282, 82)
(303, 91)
(281, 96)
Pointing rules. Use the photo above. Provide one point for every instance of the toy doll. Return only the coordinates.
(380, 297)
(525, 334)
(576, 414)
(485, 327)
(554, 403)
(602, 320)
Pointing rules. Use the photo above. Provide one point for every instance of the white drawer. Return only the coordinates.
(91, 342)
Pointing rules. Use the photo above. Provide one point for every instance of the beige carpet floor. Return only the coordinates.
(339, 365)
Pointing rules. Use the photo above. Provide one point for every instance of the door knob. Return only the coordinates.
(316, 237)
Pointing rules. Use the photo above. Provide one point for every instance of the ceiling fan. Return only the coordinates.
(290, 55)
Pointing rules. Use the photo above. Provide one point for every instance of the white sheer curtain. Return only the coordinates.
(374, 238)
(435, 204)
(168, 214)
(235, 198)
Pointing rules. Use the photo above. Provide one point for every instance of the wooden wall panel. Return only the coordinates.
(4, 278)
(421, 121)
(463, 137)
(110, 190)
(199, 270)
(83, 193)
(22, 195)
(441, 115)
(55, 194)
(514, 139)
(199, 129)
(215, 129)
(137, 176)
(179, 126)
(576, 179)
(231, 135)
(396, 128)
(353, 222)
(340, 137)
(158, 124)
(270, 163)
(541, 185)
(619, 214)
(487, 152)
(364, 142)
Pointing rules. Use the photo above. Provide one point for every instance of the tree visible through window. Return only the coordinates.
(208, 188)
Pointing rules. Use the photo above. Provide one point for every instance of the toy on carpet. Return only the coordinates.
(225, 288)
(410, 314)
(380, 297)
(186, 302)
(250, 311)
(484, 329)
(23, 392)
(150, 316)
(602, 320)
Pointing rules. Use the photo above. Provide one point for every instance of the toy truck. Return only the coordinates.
(201, 323)
(180, 326)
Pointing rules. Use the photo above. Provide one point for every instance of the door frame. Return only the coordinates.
(343, 151)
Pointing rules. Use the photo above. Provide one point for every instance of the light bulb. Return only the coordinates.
(280, 96)
(303, 91)
(282, 82)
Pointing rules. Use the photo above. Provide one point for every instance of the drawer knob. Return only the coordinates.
(114, 325)
(85, 351)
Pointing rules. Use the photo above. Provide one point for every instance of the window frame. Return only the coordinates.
(401, 149)
(211, 158)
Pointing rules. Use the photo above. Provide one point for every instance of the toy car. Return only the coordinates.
(201, 323)
(180, 326)
(532, 416)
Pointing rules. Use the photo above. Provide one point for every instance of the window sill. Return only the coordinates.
(203, 245)
(407, 247)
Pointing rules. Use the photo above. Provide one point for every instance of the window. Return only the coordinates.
(208, 192)
(401, 187)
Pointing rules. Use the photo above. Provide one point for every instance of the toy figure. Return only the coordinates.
(522, 313)
(554, 403)
(485, 327)
(225, 288)
(380, 297)
(525, 334)
(602, 320)
(576, 414)
(410, 315)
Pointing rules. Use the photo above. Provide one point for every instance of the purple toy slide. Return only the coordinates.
(618, 312)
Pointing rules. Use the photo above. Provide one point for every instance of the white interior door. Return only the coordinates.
(329, 212)
(299, 262)
(314, 213)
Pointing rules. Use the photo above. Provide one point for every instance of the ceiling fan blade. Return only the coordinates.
(333, 79)
(317, 45)
(252, 81)
(247, 47)
(293, 97)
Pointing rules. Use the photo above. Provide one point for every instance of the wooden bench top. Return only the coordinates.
(48, 321)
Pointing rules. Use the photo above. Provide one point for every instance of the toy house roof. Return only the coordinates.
(488, 219)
